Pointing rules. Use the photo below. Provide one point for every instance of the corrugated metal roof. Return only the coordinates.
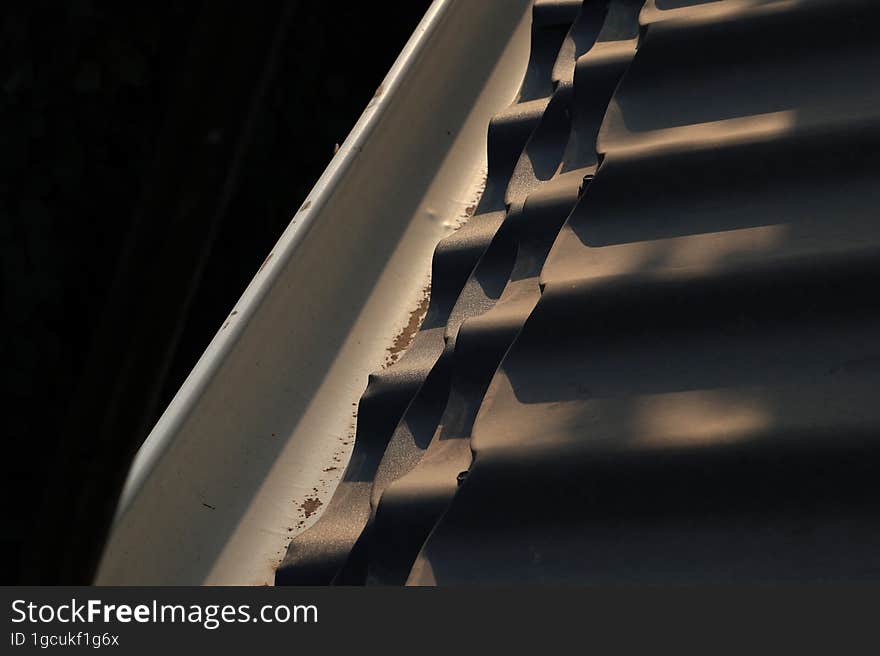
(652, 353)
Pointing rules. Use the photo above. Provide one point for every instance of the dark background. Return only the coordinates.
(150, 155)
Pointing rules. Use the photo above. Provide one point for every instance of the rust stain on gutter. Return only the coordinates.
(405, 337)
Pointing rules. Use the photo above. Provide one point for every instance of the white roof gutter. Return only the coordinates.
(258, 435)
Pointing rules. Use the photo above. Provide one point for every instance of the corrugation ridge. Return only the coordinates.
(791, 13)
(550, 20)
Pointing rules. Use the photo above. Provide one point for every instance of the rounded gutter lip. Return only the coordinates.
(156, 443)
